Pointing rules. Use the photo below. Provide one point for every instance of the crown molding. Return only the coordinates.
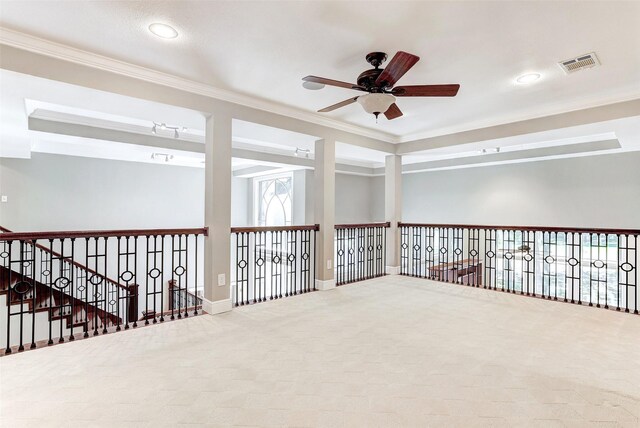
(41, 46)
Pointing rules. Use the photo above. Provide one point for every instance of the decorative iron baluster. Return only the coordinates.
(490, 241)
(598, 246)
(627, 270)
(305, 262)
(430, 253)
(528, 261)
(404, 257)
(507, 271)
(473, 246)
(416, 248)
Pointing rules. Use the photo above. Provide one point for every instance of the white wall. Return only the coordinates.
(355, 198)
(241, 201)
(594, 191)
(377, 199)
(53, 192)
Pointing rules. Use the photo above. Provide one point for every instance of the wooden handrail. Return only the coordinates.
(528, 228)
(7, 235)
(249, 229)
(73, 234)
(362, 225)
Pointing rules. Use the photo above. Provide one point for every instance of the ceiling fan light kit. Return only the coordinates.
(376, 103)
(379, 83)
(312, 86)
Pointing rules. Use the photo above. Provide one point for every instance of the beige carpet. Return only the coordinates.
(393, 351)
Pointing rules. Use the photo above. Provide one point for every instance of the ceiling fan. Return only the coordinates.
(379, 82)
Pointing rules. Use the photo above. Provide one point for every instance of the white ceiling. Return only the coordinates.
(263, 49)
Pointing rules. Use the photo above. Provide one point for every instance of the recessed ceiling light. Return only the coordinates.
(313, 86)
(163, 30)
(528, 78)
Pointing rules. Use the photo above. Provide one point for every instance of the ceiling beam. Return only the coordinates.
(96, 72)
(97, 133)
(53, 126)
(513, 156)
(255, 170)
(563, 120)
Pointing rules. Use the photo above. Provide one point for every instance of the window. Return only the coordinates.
(274, 203)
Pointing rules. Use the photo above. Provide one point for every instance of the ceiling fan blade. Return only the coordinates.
(332, 82)
(393, 112)
(397, 67)
(426, 91)
(338, 105)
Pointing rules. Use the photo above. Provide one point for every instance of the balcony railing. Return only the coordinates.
(68, 285)
(595, 267)
(272, 262)
(360, 251)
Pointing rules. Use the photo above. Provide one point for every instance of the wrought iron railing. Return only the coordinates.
(70, 285)
(272, 262)
(183, 298)
(359, 251)
(595, 267)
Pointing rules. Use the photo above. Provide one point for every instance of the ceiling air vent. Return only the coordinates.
(579, 63)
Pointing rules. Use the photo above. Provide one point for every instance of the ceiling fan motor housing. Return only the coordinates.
(367, 79)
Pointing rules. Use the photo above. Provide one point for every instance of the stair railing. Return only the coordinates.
(68, 275)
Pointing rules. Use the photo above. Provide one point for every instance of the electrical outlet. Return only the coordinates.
(329, 264)
(5, 198)
(221, 280)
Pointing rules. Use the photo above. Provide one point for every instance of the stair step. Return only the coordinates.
(46, 299)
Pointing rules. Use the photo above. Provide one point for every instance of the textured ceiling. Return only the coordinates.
(263, 49)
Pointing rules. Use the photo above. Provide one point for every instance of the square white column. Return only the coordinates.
(324, 208)
(393, 209)
(217, 214)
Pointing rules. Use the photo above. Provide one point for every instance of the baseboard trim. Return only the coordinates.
(217, 307)
(328, 284)
(393, 270)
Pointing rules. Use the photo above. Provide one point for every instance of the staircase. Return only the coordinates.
(65, 285)
(40, 307)
(75, 315)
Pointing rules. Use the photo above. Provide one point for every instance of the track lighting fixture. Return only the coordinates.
(302, 152)
(161, 156)
(163, 126)
(490, 150)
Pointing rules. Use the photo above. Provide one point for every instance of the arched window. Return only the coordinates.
(274, 201)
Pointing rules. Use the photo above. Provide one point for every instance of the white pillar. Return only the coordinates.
(324, 208)
(217, 214)
(393, 210)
